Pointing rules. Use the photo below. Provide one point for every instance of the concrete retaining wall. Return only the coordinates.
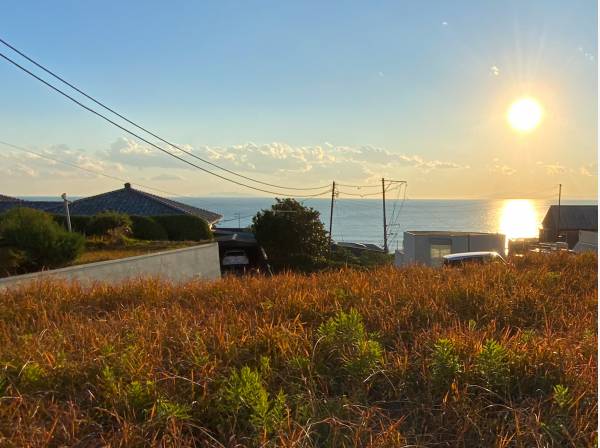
(176, 265)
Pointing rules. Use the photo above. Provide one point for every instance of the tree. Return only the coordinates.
(292, 235)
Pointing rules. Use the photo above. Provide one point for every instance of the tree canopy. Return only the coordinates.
(292, 234)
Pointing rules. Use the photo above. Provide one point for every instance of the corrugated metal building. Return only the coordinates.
(573, 218)
(429, 247)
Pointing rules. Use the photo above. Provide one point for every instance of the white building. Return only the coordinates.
(429, 247)
(587, 242)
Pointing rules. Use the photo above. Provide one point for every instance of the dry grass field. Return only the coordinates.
(489, 356)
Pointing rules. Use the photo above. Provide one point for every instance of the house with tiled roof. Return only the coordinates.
(135, 202)
(8, 202)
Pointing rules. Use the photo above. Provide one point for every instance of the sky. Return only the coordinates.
(300, 94)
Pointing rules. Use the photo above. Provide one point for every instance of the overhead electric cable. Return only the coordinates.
(387, 188)
(360, 186)
(150, 143)
(189, 153)
(378, 185)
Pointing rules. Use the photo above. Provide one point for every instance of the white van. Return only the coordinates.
(472, 257)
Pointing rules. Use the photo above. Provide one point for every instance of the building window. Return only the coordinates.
(437, 250)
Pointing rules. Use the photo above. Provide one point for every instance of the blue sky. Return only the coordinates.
(305, 92)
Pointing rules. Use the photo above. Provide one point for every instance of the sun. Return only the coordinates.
(525, 114)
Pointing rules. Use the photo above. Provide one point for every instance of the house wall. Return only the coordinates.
(417, 248)
(570, 236)
(176, 265)
(587, 242)
(490, 242)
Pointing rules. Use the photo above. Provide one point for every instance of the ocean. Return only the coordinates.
(361, 220)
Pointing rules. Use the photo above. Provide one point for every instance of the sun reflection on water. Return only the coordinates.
(519, 219)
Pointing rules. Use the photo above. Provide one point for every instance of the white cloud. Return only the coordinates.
(586, 54)
(494, 70)
(130, 152)
(18, 170)
(167, 177)
(552, 169)
(501, 168)
(17, 163)
(276, 162)
(281, 158)
(589, 170)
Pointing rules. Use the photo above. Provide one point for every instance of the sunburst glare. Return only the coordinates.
(519, 219)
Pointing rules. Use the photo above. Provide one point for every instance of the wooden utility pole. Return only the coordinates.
(67, 214)
(331, 213)
(558, 222)
(385, 244)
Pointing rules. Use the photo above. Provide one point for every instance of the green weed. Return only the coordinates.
(445, 366)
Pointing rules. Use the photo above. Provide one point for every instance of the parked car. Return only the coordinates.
(236, 257)
(473, 257)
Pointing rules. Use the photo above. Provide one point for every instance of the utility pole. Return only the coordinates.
(385, 244)
(558, 223)
(67, 214)
(331, 213)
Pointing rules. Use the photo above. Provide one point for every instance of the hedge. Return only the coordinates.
(78, 223)
(102, 223)
(184, 227)
(155, 228)
(146, 228)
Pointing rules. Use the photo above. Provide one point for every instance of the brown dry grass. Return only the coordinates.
(150, 363)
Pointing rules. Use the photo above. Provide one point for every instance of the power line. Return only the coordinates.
(394, 235)
(359, 186)
(99, 173)
(189, 153)
(66, 95)
(236, 218)
(372, 186)
(362, 195)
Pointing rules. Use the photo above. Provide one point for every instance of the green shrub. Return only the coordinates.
(146, 228)
(10, 260)
(347, 352)
(43, 242)
(246, 399)
(445, 365)
(140, 396)
(32, 375)
(102, 223)
(562, 397)
(170, 410)
(492, 365)
(184, 227)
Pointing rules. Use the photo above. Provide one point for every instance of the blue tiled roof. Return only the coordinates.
(137, 203)
(6, 205)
